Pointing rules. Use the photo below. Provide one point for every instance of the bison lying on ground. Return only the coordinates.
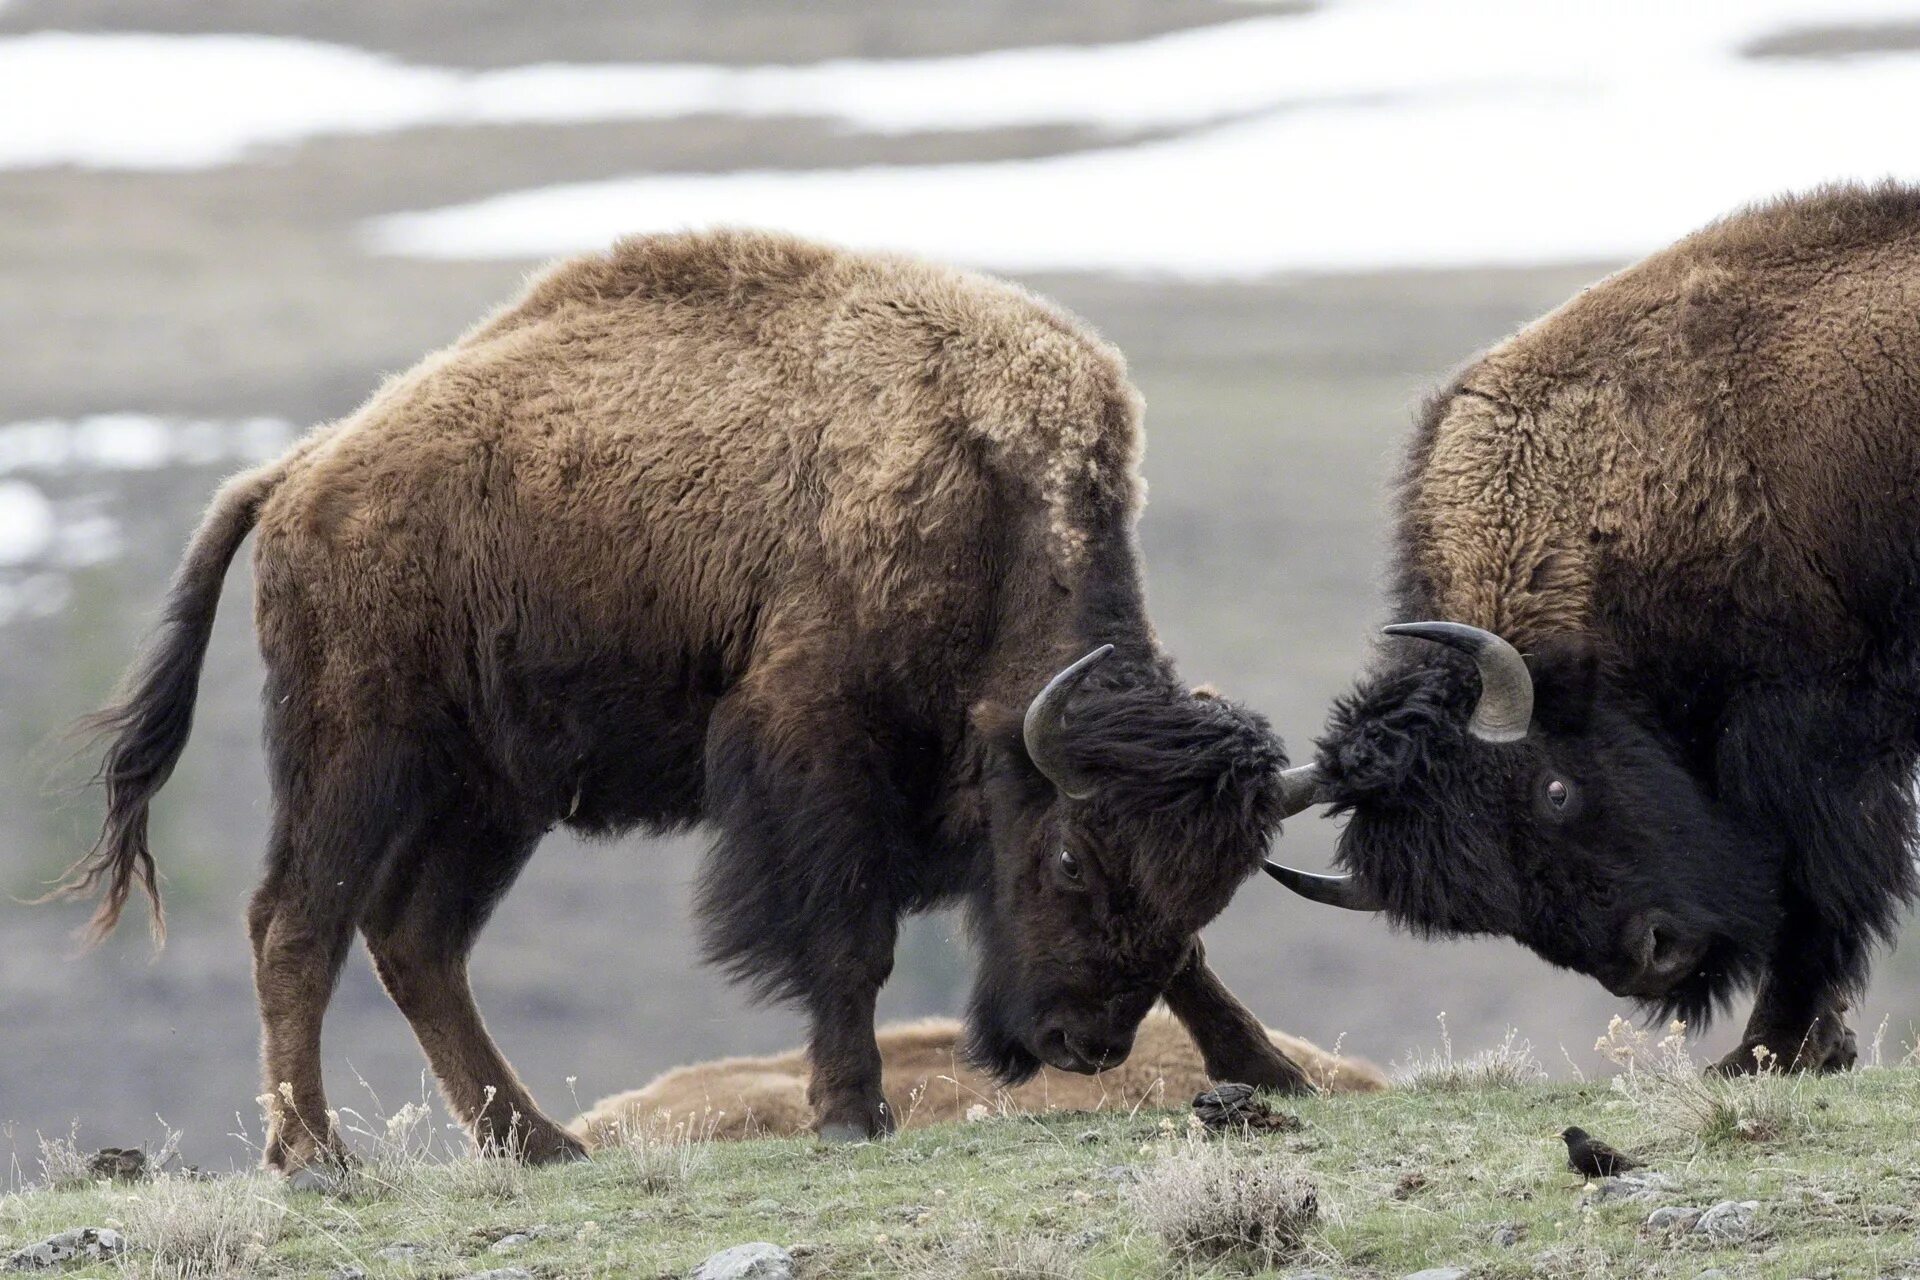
(1667, 734)
(927, 1081)
(737, 529)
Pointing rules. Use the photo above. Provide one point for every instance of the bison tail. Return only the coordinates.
(146, 728)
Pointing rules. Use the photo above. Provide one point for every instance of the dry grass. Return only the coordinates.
(1211, 1202)
(1674, 1091)
(62, 1166)
(1507, 1065)
(187, 1226)
(971, 1251)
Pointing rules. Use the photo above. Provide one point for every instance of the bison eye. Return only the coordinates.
(1558, 793)
(1069, 866)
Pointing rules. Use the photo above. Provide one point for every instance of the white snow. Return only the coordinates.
(137, 442)
(27, 523)
(1477, 132)
(156, 101)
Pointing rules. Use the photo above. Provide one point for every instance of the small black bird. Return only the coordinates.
(1594, 1158)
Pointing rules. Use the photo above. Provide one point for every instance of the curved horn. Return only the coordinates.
(1505, 709)
(1300, 788)
(1045, 719)
(1334, 891)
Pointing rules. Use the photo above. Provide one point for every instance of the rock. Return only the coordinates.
(398, 1251)
(1505, 1235)
(1630, 1187)
(348, 1272)
(1440, 1273)
(1674, 1217)
(1237, 1108)
(1120, 1173)
(81, 1243)
(1712, 1273)
(510, 1242)
(500, 1273)
(756, 1261)
(1089, 1137)
(120, 1164)
(1728, 1222)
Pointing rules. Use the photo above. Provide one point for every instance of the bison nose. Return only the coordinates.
(1082, 1050)
(1664, 956)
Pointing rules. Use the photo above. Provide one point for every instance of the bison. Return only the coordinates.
(832, 552)
(1665, 734)
(927, 1081)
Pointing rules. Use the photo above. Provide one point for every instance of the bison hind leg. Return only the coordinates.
(442, 885)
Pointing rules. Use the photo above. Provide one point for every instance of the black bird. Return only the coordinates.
(1594, 1158)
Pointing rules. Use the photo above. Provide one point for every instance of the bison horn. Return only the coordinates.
(1505, 709)
(1301, 788)
(1046, 718)
(1335, 891)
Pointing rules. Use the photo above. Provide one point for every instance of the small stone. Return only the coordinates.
(1630, 1187)
(90, 1243)
(510, 1242)
(1120, 1173)
(1505, 1235)
(347, 1272)
(1089, 1137)
(1675, 1217)
(1238, 1108)
(1728, 1222)
(756, 1261)
(398, 1251)
(500, 1273)
(119, 1164)
(1712, 1273)
(1440, 1273)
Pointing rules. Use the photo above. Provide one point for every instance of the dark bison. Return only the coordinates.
(739, 529)
(1667, 734)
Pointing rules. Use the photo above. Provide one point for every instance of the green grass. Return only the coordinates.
(1421, 1177)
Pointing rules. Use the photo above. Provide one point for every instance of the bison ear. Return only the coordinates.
(1566, 671)
(1001, 729)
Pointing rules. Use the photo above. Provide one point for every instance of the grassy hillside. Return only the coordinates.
(1462, 1168)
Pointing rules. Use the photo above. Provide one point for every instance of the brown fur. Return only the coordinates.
(1689, 496)
(928, 1082)
(735, 528)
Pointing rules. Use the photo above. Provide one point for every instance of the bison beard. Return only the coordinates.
(739, 530)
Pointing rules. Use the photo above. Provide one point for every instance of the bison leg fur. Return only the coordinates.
(1233, 1043)
(797, 896)
(439, 891)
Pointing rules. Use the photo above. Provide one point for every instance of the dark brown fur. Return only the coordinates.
(1691, 496)
(739, 529)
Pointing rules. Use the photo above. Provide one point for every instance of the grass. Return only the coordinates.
(1469, 1173)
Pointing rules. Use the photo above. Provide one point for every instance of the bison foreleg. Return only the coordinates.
(1233, 1043)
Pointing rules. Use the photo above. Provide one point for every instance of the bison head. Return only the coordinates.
(1495, 794)
(1124, 811)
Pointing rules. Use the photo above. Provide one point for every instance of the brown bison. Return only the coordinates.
(927, 1080)
(736, 529)
(1667, 733)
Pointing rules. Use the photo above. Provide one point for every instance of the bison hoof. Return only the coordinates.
(860, 1122)
(321, 1179)
(1828, 1046)
(1275, 1074)
(552, 1147)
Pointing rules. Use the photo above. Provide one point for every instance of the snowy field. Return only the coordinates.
(1367, 134)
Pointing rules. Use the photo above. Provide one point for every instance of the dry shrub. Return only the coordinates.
(1210, 1202)
(1667, 1086)
(1507, 1065)
(657, 1155)
(62, 1166)
(186, 1226)
(971, 1251)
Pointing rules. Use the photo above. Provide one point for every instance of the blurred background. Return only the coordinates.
(221, 223)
